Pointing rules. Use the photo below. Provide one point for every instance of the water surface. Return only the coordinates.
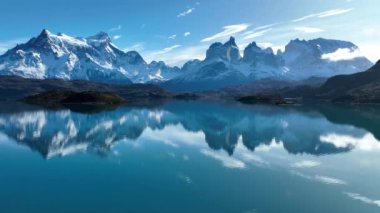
(190, 157)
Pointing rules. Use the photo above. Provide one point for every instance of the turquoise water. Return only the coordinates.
(191, 157)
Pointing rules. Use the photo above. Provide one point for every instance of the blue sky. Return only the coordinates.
(178, 30)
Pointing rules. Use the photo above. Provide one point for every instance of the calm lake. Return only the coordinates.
(190, 157)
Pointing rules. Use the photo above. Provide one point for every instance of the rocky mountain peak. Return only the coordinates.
(331, 45)
(135, 58)
(231, 42)
(101, 37)
(45, 33)
(254, 53)
(228, 51)
(252, 47)
(44, 36)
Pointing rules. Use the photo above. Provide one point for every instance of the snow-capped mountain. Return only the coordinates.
(94, 58)
(322, 58)
(262, 63)
(160, 72)
(228, 51)
(224, 66)
(210, 76)
(219, 69)
(63, 132)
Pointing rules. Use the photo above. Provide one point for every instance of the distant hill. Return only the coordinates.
(363, 87)
(15, 88)
(72, 97)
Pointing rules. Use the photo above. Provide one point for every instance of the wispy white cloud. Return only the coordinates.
(245, 155)
(269, 147)
(135, 47)
(187, 34)
(370, 50)
(322, 179)
(227, 31)
(225, 159)
(265, 26)
(342, 54)
(174, 136)
(172, 37)
(264, 45)
(186, 12)
(330, 180)
(365, 143)
(116, 37)
(306, 164)
(275, 48)
(185, 178)
(166, 50)
(180, 55)
(363, 199)
(309, 29)
(334, 12)
(324, 14)
(6, 45)
(117, 28)
(255, 34)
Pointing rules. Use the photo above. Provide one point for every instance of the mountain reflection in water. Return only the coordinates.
(190, 157)
(318, 130)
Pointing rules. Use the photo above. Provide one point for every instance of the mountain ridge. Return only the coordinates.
(301, 60)
(93, 58)
(358, 87)
(96, 58)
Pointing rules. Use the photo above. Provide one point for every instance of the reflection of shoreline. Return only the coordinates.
(58, 133)
(360, 116)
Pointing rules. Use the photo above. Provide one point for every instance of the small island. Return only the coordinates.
(267, 99)
(56, 98)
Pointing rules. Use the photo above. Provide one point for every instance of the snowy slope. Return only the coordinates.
(301, 60)
(323, 58)
(94, 58)
(217, 70)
